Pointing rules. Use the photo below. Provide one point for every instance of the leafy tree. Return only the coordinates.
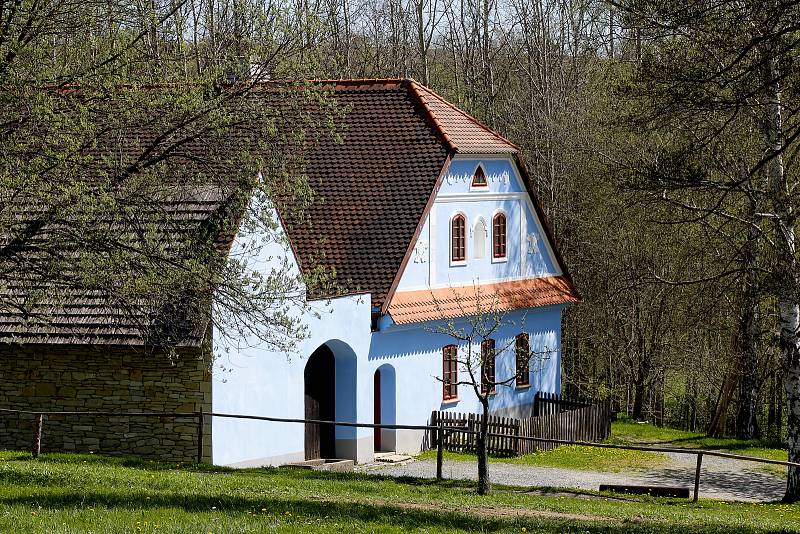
(475, 332)
(110, 135)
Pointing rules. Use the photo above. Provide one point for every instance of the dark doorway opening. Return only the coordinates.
(376, 413)
(320, 400)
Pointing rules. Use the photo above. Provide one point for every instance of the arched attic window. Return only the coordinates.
(479, 239)
(458, 244)
(499, 235)
(479, 178)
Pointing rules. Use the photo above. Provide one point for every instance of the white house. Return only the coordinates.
(424, 212)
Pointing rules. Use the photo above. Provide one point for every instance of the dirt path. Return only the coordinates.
(721, 478)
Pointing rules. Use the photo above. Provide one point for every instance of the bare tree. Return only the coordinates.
(473, 356)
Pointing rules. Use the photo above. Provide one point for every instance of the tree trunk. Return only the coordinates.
(786, 268)
(716, 428)
(750, 382)
(640, 384)
(790, 321)
(638, 401)
(484, 484)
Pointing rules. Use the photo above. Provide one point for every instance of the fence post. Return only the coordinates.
(439, 450)
(37, 436)
(200, 423)
(697, 476)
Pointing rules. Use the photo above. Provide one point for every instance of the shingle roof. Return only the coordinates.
(372, 191)
(449, 302)
(375, 186)
(73, 315)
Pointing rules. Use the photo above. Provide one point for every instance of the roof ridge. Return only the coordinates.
(415, 88)
(340, 83)
(418, 86)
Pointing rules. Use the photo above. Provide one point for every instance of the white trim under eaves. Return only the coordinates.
(394, 327)
(479, 156)
(477, 196)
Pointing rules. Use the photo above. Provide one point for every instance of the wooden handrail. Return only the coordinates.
(411, 427)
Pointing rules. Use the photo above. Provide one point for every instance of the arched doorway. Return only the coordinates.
(384, 409)
(376, 409)
(320, 403)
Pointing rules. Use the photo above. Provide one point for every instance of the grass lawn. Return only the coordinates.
(87, 493)
(627, 432)
(573, 457)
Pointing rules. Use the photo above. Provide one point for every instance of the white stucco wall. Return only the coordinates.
(529, 253)
(251, 379)
(415, 354)
(259, 382)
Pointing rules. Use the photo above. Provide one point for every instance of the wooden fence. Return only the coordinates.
(553, 403)
(440, 429)
(502, 443)
(588, 423)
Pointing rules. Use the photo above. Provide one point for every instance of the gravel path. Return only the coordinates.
(721, 478)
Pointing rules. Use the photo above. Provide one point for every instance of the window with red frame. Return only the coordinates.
(523, 360)
(450, 372)
(487, 366)
(479, 178)
(458, 233)
(499, 235)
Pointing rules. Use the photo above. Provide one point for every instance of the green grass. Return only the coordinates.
(73, 493)
(573, 457)
(628, 432)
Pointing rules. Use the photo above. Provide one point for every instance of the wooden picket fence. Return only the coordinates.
(591, 422)
(553, 403)
(503, 444)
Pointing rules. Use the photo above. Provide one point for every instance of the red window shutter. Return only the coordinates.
(487, 366)
(450, 372)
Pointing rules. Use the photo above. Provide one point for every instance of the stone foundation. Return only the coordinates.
(112, 379)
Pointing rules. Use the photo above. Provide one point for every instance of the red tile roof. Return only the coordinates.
(463, 132)
(449, 302)
(371, 189)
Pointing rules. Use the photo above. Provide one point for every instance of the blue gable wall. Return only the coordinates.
(529, 253)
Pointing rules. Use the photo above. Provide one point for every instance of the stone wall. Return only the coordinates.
(113, 379)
